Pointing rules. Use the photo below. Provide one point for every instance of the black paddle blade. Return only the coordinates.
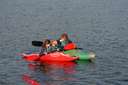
(80, 48)
(37, 43)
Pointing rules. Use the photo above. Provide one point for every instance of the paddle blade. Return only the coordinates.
(70, 46)
(37, 43)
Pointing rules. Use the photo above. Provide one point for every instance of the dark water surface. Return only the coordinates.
(98, 25)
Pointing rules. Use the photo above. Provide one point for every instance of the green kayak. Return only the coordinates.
(82, 55)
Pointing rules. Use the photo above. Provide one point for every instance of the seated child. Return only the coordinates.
(55, 46)
(46, 47)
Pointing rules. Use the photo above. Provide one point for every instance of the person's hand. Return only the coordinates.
(45, 53)
(61, 40)
(58, 49)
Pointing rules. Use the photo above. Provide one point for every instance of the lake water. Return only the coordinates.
(95, 25)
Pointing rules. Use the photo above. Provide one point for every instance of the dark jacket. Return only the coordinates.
(56, 48)
(45, 51)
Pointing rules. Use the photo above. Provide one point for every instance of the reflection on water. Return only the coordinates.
(57, 72)
(55, 67)
(27, 78)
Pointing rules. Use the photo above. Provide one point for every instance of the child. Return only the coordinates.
(55, 46)
(64, 40)
(46, 47)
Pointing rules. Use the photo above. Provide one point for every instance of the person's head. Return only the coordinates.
(54, 42)
(46, 43)
(64, 36)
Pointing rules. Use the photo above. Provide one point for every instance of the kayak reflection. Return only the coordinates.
(59, 72)
(51, 73)
(58, 67)
(29, 80)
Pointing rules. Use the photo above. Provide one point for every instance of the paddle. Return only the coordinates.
(79, 48)
(37, 43)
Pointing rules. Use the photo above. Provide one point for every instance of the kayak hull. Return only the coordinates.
(56, 56)
(82, 55)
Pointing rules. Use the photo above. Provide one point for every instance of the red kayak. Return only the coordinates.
(56, 56)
